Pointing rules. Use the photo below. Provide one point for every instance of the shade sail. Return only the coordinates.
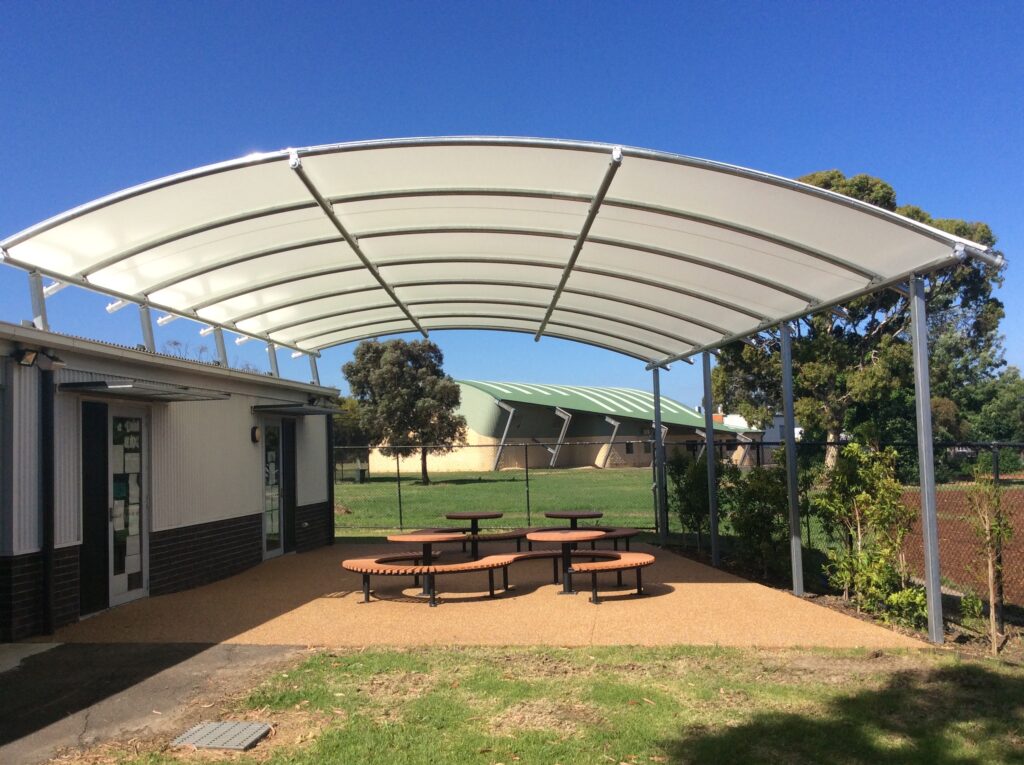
(653, 255)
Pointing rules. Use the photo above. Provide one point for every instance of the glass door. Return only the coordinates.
(272, 466)
(128, 474)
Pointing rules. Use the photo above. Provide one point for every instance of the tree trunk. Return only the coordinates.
(424, 478)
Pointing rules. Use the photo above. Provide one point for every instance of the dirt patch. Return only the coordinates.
(540, 665)
(562, 717)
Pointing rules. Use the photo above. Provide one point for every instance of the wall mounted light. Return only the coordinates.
(255, 434)
(25, 357)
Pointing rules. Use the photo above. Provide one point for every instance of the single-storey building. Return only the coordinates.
(509, 424)
(126, 473)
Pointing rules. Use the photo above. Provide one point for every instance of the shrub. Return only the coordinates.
(971, 606)
(907, 607)
(759, 517)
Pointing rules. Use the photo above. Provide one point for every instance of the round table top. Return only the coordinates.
(574, 514)
(564, 536)
(472, 516)
(426, 539)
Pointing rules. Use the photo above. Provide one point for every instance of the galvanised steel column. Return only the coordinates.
(660, 490)
(923, 401)
(709, 452)
(795, 547)
(147, 328)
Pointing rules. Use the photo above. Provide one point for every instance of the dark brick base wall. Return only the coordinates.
(66, 598)
(21, 596)
(314, 526)
(196, 555)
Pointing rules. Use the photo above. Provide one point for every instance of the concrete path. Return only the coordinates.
(309, 600)
(80, 694)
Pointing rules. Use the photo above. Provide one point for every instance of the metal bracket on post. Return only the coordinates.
(501, 446)
(611, 441)
(789, 426)
(147, 328)
(222, 351)
(566, 417)
(709, 436)
(313, 370)
(926, 457)
(272, 355)
(35, 285)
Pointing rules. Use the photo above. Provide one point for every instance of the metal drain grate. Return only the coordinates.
(239, 736)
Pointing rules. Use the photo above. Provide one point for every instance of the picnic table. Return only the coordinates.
(574, 516)
(474, 519)
(566, 538)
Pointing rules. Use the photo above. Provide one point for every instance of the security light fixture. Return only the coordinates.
(25, 357)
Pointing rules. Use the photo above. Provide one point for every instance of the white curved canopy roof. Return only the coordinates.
(659, 255)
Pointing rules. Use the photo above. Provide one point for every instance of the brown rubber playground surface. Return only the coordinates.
(308, 600)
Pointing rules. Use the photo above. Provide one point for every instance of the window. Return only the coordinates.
(629, 447)
(647, 447)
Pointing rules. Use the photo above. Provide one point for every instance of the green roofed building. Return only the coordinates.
(570, 426)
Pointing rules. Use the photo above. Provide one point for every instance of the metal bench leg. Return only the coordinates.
(618, 577)
(490, 582)
(593, 587)
(627, 544)
(429, 578)
(554, 570)
(639, 583)
(366, 588)
(615, 544)
(593, 544)
(415, 580)
(529, 545)
(519, 544)
(504, 578)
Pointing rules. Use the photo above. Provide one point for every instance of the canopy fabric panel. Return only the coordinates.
(653, 255)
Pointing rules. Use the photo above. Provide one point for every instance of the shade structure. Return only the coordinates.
(653, 255)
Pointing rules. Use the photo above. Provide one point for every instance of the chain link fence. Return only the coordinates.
(378, 492)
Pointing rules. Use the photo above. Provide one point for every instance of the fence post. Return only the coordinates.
(398, 483)
(526, 465)
(998, 605)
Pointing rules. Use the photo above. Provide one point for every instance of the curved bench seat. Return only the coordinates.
(599, 560)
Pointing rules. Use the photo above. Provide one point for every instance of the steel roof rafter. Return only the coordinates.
(595, 206)
(296, 164)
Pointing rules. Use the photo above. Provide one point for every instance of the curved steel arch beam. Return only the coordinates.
(679, 290)
(487, 282)
(516, 303)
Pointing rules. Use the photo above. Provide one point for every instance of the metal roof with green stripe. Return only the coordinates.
(613, 402)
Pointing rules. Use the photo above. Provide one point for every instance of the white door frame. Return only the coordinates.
(266, 423)
(118, 597)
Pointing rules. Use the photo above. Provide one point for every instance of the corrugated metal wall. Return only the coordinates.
(67, 445)
(205, 467)
(6, 544)
(311, 460)
(27, 524)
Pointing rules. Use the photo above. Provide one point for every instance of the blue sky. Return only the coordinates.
(96, 97)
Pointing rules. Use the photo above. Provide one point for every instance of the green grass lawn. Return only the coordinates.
(628, 705)
(624, 495)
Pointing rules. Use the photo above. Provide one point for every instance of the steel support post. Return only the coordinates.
(709, 453)
(147, 328)
(660, 493)
(789, 426)
(35, 285)
(313, 370)
(272, 356)
(222, 350)
(923, 402)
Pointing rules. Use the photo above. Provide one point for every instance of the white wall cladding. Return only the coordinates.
(311, 460)
(205, 467)
(27, 524)
(67, 468)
